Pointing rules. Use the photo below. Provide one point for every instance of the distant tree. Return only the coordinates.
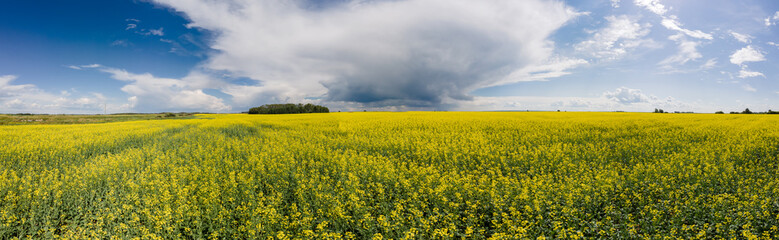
(746, 111)
(719, 112)
(288, 109)
(659, 111)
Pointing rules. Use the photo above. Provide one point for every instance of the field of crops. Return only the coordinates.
(410, 175)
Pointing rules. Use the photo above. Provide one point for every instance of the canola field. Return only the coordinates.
(415, 175)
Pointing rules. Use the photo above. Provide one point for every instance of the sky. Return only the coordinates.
(93, 56)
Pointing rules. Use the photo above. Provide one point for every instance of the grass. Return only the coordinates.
(36, 119)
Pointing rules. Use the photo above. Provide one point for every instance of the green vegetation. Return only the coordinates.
(288, 108)
(413, 175)
(33, 119)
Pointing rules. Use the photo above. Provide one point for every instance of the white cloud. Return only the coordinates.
(131, 26)
(770, 21)
(9, 90)
(412, 52)
(156, 32)
(744, 73)
(671, 21)
(122, 43)
(687, 51)
(652, 5)
(616, 39)
(711, 63)
(30, 98)
(744, 38)
(746, 54)
(150, 93)
(624, 99)
(748, 88)
(554, 67)
(673, 24)
(625, 95)
(615, 3)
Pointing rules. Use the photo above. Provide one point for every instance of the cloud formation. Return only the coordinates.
(15, 98)
(688, 51)
(621, 35)
(771, 20)
(744, 38)
(625, 95)
(746, 54)
(408, 52)
(152, 93)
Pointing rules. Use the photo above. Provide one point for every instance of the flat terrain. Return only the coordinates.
(415, 175)
(34, 119)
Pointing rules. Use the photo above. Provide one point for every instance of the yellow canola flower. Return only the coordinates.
(412, 175)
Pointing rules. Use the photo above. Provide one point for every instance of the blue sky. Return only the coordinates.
(227, 56)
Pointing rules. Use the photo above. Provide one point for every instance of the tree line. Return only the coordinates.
(746, 111)
(288, 108)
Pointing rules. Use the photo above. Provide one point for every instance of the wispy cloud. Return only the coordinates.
(688, 51)
(672, 23)
(771, 20)
(615, 3)
(744, 38)
(121, 43)
(744, 73)
(621, 35)
(156, 32)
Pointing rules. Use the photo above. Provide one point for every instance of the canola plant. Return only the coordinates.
(416, 175)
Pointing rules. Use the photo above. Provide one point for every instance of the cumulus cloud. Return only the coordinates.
(30, 98)
(616, 39)
(150, 93)
(625, 95)
(407, 52)
(746, 54)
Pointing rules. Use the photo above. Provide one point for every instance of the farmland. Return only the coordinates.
(415, 175)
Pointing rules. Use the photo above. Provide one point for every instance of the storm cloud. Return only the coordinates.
(379, 53)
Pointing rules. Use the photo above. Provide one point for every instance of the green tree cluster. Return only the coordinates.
(288, 108)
